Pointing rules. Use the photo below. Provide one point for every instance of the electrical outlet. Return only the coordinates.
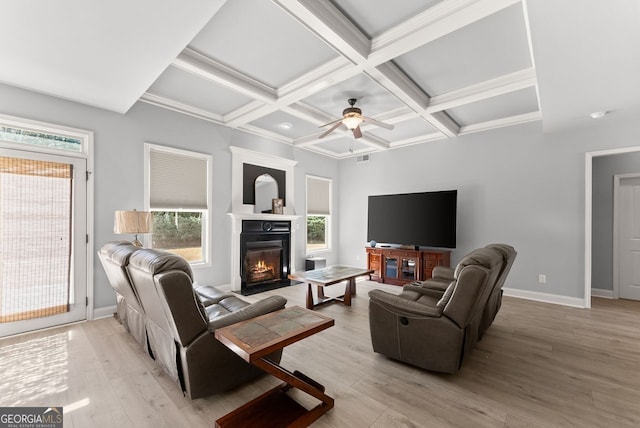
(542, 279)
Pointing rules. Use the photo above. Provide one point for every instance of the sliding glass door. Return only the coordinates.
(42, 240)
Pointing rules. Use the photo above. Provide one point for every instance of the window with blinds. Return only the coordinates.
(179, 183)
(318, 213)
(35, 238)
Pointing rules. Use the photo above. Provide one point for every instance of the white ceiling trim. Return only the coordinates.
(359, 54)
(260, 132)
(326, 21)
(491, 88)
(208, 68)
(417, 140)
(501, 123)
(435, 22)
(179, 107)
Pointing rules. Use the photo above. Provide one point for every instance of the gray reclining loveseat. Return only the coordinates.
(434, 328)
(180, 321)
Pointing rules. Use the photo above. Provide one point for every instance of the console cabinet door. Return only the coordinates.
(399, 266)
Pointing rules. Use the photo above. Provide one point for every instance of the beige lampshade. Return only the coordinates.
(133, 222)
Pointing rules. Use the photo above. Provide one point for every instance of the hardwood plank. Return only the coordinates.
(538, 365)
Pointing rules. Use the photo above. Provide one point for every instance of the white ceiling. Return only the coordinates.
(433, 68)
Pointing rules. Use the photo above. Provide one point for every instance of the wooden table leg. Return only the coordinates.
(347, 294)
(310, 304)
(320, 293)
(352, 283)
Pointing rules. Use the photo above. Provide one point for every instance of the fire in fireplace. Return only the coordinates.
(263, 264)
(264, 255)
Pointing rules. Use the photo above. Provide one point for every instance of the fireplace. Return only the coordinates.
(264, 255)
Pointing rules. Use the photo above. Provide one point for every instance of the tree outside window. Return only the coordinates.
(318, 213)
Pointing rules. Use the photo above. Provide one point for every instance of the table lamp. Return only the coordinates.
(133, 222)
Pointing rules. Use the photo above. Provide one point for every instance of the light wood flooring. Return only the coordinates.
(539, 365)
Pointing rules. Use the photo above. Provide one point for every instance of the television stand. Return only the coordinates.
(400, 266)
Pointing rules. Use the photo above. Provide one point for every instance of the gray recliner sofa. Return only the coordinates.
(431, 328)
(442, 277)
(180, 320)
(114, 257)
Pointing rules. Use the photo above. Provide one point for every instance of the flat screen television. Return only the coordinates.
(425, 219)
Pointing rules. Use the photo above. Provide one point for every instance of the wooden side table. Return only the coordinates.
(256, 338)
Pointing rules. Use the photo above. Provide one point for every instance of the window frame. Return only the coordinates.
(206, 213)
(328, 225)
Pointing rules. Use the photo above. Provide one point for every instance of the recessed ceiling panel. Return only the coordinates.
(259, 39)
(192, 90)
(277, 122)
(512, 104)
(343, 146)
(372, 98)
(489, 48)
(403, 130)
(375, 17)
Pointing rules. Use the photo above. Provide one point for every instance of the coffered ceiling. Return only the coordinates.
(280, 69)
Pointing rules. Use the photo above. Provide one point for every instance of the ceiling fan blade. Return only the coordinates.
(330, 130)
(357, 133)
(377, 123)
(333, 121)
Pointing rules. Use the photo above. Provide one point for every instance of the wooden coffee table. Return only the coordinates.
(328, 276)
(256, 338)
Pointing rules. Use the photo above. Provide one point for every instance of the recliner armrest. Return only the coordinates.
(403, 306)
(264, 306)
(423, 290)
(443, 272)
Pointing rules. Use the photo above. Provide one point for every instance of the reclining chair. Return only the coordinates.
(432, 329)
(442, 277)
(181, 329)
(114, 257)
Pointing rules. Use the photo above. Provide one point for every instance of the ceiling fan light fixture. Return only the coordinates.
(352, 122)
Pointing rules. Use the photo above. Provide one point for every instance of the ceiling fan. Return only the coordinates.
(352, 118)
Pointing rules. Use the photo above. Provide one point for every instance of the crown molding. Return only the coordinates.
(208, 68)
(179, 107)
(501, 123)
(512, 82)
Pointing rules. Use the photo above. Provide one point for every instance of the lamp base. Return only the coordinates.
(136, 242)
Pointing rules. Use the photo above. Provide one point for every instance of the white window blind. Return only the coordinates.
(318, 196)
(177, 181)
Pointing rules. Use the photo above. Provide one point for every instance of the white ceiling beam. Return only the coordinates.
(390, 77)
(417, 140)
(328, 74)
(435, 22)
(329, 24)
(260, 132)
(179, 107)
(203, 66)
(481, 91)
(500, 123)
(309, 113)
(374, 141)
(248, 113)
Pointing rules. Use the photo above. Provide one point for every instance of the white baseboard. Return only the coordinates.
(105, 312)
(544, 297)
(599, 292)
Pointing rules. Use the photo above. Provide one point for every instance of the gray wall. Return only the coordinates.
(516, 185)
(604, 168)
(119, 170)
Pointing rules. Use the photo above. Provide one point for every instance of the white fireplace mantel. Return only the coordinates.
(240, 211)
(236, 228)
